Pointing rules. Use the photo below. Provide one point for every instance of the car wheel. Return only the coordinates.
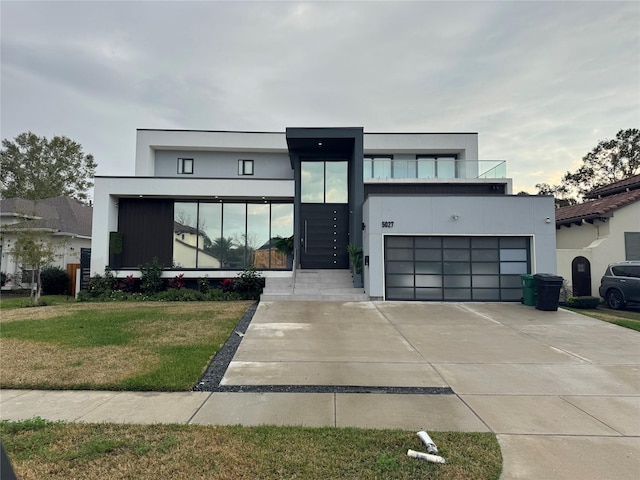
(615, 300)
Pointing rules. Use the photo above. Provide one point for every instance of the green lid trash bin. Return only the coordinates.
(548, 291)
(528, 289)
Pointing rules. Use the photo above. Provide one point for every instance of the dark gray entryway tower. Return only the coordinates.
(329, 193)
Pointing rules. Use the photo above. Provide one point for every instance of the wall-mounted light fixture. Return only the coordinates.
(548, 220)
(364, 227)
(455, 216)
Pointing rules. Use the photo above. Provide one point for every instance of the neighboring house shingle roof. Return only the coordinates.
(601, 202)
(59, 214)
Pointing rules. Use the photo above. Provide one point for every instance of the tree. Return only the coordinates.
(33, 250)
(610, 161)
(34, 168)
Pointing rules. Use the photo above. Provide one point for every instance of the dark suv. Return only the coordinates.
(620, 284)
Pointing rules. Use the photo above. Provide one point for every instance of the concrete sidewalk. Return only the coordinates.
(560, 390)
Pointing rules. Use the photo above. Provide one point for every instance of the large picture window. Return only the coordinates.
(230, 235)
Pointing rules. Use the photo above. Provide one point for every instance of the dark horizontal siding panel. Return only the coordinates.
(433, 189)
(146, 226)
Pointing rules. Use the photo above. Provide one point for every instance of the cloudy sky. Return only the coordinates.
(541, 82)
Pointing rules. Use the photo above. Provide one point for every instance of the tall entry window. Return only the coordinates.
(324, 182)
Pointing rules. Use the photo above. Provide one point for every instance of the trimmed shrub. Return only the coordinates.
(583, 302)
(249, 284)
(102, 285)
(180, 295)
(3, 278)
(151, 277)
(203, 285)
(54, 281)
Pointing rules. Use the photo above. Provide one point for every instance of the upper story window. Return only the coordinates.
(185, 166)
(423, 166)
(245, 167)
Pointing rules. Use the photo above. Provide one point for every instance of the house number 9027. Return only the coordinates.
(387, 224)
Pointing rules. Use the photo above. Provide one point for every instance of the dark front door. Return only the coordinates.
(325, 235)
(324, 214)
(581, 277)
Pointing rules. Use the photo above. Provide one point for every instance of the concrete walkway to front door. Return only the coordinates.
(560, 390)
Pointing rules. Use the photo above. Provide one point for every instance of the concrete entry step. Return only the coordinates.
(314, 285)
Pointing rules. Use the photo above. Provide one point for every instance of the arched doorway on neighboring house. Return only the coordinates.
(581, 277)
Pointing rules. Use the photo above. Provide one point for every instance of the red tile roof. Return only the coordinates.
(612, 197)
(630, 183)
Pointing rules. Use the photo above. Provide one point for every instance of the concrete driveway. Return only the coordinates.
(560, 390)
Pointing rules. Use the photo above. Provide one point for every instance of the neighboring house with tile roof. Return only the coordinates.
(65, 221)
(605, 228)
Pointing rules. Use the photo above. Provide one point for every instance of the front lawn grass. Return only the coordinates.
(39, 449)
(114, 346)
(624, 318)
(8, 301)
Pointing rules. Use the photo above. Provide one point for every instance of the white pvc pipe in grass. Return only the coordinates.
(425, 456)
(426, 439)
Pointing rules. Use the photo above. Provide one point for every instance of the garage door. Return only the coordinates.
(455, 268)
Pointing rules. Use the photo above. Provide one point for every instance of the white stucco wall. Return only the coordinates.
(477, 215)
(601, 243)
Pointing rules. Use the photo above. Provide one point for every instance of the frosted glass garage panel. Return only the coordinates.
(456, 242)
(400, 267)
(487, 294)
(486, 281)
(513, 268)
(457, 294)
(428, 281)
(428, 294)
(428, 242)
(514, 242)
(428, 255)
(457, 281)
(511, 281)
(430, 268)
(485, 268)
(457, 255)
(400, 293)
(400, 280)
(457, 268)
(399, 242)
(399, 255)
(513, 255)
(484, 242)
(484, 255)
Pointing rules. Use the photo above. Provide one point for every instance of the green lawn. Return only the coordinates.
(114, 346)
(9, 302)
(40, 449)
(624, 318)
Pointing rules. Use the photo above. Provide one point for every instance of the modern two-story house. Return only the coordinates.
(434, 222)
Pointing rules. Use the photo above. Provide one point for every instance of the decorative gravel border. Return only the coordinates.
(211, 378)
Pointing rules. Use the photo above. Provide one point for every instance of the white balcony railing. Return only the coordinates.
(433, 168)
